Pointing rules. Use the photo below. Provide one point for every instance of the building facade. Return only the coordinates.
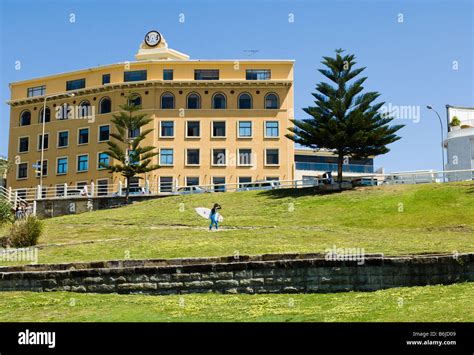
(213, 121)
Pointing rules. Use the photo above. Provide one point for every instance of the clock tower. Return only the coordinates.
(154, 46)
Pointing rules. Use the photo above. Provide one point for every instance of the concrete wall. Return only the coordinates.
(259, 274)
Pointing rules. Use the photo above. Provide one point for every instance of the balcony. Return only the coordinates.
(348, 168)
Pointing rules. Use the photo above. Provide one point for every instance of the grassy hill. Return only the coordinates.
(401, 219)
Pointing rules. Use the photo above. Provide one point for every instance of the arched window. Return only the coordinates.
(25, 118)
(105, 105)
(245, 101)
(135, 100)
(47, 115)
(271, 101)
(193, 101)
(167, 101)
(84, 109)
(219, 101)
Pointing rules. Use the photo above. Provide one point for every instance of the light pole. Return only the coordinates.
(429, 107)
(42, 134)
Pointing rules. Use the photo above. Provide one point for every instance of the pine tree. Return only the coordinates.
(345, 120)
(129, 156)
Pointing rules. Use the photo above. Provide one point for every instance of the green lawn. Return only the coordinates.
(408, 304)
(392, 220)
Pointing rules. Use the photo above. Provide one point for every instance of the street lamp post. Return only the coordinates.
(429, 107)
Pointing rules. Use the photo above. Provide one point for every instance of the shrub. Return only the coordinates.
(6, 213)
(455, 122)
(26, 232)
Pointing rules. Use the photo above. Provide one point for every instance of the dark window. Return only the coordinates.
(206, 74)
(218, 157)
(245, 129)
(245, 101)
(167, 101)
(271, 101)
(167, 74)
(105, 105)
(271, 129)
(244, 180)
(37, 91)
(85, 109)
(194, 101)
(245, 156)
(47, 115)
(22, 171)
(135, 100)
(104, 133)
(63, 139)
(192, 181)
(166, 184)
(83, 136)
(133, 133)
(218, 129)
(63, 112)
(105, 79)
(103, 161)
(46, 141)
(272, 157)
(193, 129)
(25, 118)
(258, 74)
(167, 128)
(60, 190)
(102, 187)
(45, 168)
(135, 75)
(62, 166)
(219, 102)
(192, 157)
(219, 184)
(82, 163)
(133, 157)
(24, 144)
(75, 84)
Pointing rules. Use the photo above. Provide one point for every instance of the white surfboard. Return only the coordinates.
(206, 212)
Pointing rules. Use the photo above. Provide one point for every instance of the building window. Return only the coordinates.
(22, 172)
(47, 115)
(45, 168)
(219, 183)
(244, 180)
(134, 75)
(167, 129)
(192, 181)
(85, 109)
(61, 166)
(62, 112)
(166, 156)
(105, 79)
(219, 157)
(192, 157)
(24, 144)
(167, 101)
(105, 105)
(219, 101)
(25, 118)
(245, 101)
(271, 129)
(166, 184)
(63, 139)
(133, 133)
(193, 101)
(272, 157)
(271, 101)
(104, 132)
(102, 161)
(258, 74)
(167, 74)
(135, 100)
(46, 141)
(103, 187)
(218, 129)
(82, 163)
(272, 178)
(245, 157)
(75, 84)
(193, 129)
(245, 129)
(206, 74)
(83, 137)
(37, 91)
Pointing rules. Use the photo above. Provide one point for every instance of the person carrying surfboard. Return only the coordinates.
(213, 216)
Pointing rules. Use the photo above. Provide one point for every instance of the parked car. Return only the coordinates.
(187, 190)
(364, 182)
(259, 185)
(72, 192)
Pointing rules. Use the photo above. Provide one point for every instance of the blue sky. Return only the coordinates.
(411, 63)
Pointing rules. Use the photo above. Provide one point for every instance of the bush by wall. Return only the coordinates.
(26, 232)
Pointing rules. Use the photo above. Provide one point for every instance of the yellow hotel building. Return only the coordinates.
(214, 121)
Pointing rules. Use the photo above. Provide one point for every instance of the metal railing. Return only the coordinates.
(348, 168)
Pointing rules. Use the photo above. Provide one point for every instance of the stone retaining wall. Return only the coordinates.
(288, 273)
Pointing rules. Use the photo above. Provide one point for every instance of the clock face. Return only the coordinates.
(153, 38)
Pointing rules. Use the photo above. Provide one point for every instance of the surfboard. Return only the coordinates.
(206, 212)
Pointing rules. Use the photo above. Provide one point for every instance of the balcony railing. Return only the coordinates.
(348, 168)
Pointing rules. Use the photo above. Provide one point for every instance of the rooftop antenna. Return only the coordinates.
(251, 52)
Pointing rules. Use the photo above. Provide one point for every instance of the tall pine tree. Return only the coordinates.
(344, 120)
